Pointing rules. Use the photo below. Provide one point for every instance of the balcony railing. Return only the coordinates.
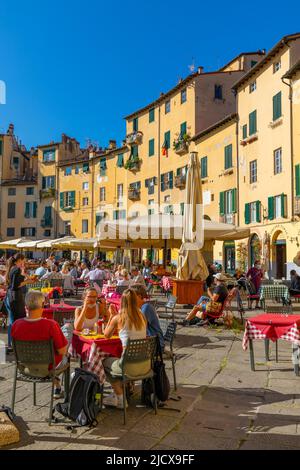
(181, 147)
(228, 219)
(180, 182)
(46, 223)
(134, 194)
(47, 193)
(135, 138)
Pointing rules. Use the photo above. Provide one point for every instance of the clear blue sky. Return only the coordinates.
(79, 66)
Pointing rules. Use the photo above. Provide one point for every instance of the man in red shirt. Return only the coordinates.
(36, 328)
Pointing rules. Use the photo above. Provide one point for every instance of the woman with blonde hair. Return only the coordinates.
(131, 324)
(89, 314)
(124, 279)
(67, 278)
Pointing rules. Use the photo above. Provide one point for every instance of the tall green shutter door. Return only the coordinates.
(228, 156)
(162, 182)
(72, 198)
(233, 195)
(297, 175)
(44, 183)
(258, 211)
(247, 213)
(34, 210)
(271, 208)
(283, 205)
(27, 210)
(151, 115)
(171, 179)
(48, 213)
(277, 106)
(222, 203)
(62, 200)
(151, 147)
(252, 123)
(183, 129)
(168, 139)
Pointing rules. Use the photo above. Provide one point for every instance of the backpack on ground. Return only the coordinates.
(85, 399)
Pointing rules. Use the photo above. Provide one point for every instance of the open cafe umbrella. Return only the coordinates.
(191, 264)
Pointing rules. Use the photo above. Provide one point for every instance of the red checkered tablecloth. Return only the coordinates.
(273, 327)
(95, 362)
(108, 289)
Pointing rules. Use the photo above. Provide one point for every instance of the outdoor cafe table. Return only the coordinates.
(275, 291)
(273, 327)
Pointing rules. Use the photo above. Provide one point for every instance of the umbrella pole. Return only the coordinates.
(165, 254)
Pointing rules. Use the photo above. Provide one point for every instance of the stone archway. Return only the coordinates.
(278, 245)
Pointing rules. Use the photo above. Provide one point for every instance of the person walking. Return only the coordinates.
(14, 300)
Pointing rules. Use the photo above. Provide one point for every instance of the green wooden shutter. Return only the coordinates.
(271, 208)
(34, 210)
(151, 115)
(151, 147)
(247, 213)
(233, 195)
(62, 200)
(222, 203)
(297, 175)
(228, 157)
(171, 179)
(135, 124)
(245, 131)
(135, 151)
(98, 219)
(182, 208)
(44, 183)
(284, 206)
(72, 198)
(168, 139)
(258, 211)
(277, 106)
(252, 123)
(183, 129)
(204, 167)
(162, 182)
(120, 162)
(27, 210)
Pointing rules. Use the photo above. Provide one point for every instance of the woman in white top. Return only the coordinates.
(67, 278)
(131, 324)
(87, 315)
(124, 279)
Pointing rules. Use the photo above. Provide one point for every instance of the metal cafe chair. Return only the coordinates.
(171, 304)
(169, 331)
(137, 351)
(32, 365)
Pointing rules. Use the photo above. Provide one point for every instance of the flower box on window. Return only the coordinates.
(135, 138)
(180, 182)
(47, 193)
(134, 194)
(133, 164)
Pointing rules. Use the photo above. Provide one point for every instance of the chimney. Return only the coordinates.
(112, 144)
(11, 129)
(200, 70)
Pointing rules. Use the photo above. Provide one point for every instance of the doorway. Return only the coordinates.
(229, 257)
(280, 260)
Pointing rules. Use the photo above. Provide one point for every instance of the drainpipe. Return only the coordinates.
(292, 147)
(158, 160)
(237, 172)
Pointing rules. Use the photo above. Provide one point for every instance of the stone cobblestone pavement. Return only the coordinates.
(223, 404)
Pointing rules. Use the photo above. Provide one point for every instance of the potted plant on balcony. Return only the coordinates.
(135, 138)
(181, 143)
(133, 164)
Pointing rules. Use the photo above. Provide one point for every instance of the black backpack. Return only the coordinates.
(85, 399)
(161, 381)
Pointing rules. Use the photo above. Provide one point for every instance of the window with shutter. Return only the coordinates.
(245, 131)
(62, 200)
(171, 180)
(27, 210)
(167, 141)
(277, 106)
(234, 202)
(72, 198)
(135, 124)
(297, 176)
(228, 157)
(204, 167)
(183, 129)
(151, 115)
(120, 162)
(34, 210)
(258, 211)
(151, 147)
(271, 208)
(284, 206)
(252, 123)
(222, 203)
(247, 213)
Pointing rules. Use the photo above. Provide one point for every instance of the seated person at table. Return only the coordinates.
(118, 272)
(217, 293)
(295, 283)
(149, 312)
(147, 269)
(52, 274)
(131, 324)
(68, 279)
(136, 277)
(36, 328)
(84, 272)
(124, 279)
(87, 315)
(97, 275)
(42, 269)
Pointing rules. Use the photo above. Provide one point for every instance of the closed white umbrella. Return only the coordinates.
(191, 265)
(29, 245)
(13, 244)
